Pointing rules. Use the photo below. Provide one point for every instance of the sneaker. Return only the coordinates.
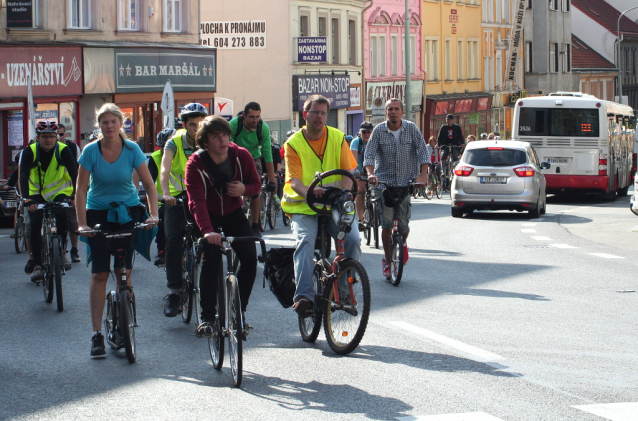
(97, 346)
(38, 274)
(247, 327)
(75, 256)
(171, 308)
(386, 269)
(276, 199)
(302, 306)
(65, 262)
(28, 268)
(405, 254)
(159, 259)
(204, 330)
(361, 226)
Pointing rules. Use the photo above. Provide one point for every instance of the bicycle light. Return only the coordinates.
(348, 207)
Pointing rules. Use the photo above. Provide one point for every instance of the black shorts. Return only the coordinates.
(102, 248)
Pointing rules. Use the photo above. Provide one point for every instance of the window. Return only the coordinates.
(499, 70)
(448, 59)
(382, 60)
(80, 14)
(431, 59)
(304, 27)
(572, 122)
(413, 54)
(395, 59)
(528, 57)
(323, 27)
(553, 4)
(553, 57)
(374, 53)
(567, 58)
(173, 20)
(565, 5)
(128, 12)
(529, 4)
(507, 15)
(472, 59)
(352, 42)
(459, 59)
(335, 41)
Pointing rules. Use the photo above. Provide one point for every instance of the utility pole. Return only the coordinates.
(407, 49)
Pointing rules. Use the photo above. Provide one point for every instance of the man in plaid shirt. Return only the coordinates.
(396, 154)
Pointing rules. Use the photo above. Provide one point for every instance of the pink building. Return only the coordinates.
(384, 32)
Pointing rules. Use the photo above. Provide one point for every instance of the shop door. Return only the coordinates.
(332, 118)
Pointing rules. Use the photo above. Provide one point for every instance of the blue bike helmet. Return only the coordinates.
(193, 110)
(349, 138)
(164, 136)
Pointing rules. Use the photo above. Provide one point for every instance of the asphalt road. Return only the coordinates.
(497, 317)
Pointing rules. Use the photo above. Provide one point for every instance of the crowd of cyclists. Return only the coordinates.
(203, 170)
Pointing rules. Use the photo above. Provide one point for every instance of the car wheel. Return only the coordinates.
(536, 212)
(457, 213)
(544, 208)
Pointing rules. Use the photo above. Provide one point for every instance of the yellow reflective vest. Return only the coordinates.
(157, 158)
(55, 181)
(178, 168)
(311, 164)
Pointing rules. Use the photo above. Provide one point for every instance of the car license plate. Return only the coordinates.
(493, 180)
(558, 160)
(10, 204)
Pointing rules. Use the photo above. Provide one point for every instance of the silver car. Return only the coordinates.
(499, 175)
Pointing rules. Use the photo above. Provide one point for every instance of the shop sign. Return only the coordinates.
(378, 107)
(312, 49)
(53, 71)
(15, 127)
(355, 96)
(508, 119)
(395, 89)
(473, 118)
(224, 108)
(20, 14)
(148, 70)
(234, 35)
(335, 88)
(517, 38)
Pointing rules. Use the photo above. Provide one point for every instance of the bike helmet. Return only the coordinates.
(193, 110)
(95, 135)
(290, 133)
(47, 126)
(164, 136)
(349, 138)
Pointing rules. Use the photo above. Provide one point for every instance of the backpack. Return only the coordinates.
(240, 127)
(279, 270)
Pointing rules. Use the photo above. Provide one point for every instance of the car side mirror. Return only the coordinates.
(545, 165)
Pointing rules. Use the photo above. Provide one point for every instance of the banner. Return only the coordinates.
(234, 35)
(312, 49)
(517, 40)
(31, 108)
(168, 104)
(335, 88)
(20, 14)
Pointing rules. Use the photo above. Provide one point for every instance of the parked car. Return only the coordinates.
(8, 202)
(499, 175)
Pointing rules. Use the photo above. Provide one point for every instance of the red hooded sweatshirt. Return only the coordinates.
(204, 200)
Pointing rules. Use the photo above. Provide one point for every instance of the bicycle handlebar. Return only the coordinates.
(53, 205)
(97, 229)
(202, 241)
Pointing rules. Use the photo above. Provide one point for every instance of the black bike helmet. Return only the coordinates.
(193, 110)
(47, 126)
(164, 136)
(290, 133)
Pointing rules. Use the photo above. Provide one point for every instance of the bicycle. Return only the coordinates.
(393, 196)
(20, 237)
(272, 207)
(342, 288)
(120, 320)
(434, 184)
(446, 177)
(52, 251)
(371, 216)
(229, 321)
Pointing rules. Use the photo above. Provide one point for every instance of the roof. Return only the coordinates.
(606, 15)
(584, 57)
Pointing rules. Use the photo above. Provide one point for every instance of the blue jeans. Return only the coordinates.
(305, 228)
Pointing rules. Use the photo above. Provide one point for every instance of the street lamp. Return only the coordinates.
(618, 59)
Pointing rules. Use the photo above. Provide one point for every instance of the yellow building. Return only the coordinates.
(452, 59)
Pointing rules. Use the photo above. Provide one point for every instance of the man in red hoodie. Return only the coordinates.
(217, 176)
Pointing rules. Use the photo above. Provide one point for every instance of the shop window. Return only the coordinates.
(67, 117)
(79, 14)
(173, 15)
(129, 12)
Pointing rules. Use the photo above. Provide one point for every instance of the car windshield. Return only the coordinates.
(495, 157)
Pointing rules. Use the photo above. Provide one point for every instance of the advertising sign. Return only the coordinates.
(224, 108)
(517, 39)
(234, 35)
(378, 106)
(148, 70)
(395, 89)
(312, 49)
(20, 14)
(335, 88)
(53, 71)
(168, 104)
(473, 118)
(355, 96)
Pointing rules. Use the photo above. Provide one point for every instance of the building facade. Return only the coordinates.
(597, 75)
(385, 53)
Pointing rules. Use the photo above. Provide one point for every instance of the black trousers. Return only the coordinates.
(61, 217)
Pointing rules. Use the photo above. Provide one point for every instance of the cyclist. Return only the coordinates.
(154, 165)
(47, 172)
(249, 131)
(217, 176)
(176, 152)
(112, 201)
(73, 222)
(315, 148)
(435, 157)
(358, 148)
(450, 135)
(396, 154)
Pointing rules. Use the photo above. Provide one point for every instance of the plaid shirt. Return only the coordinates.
(396, 165)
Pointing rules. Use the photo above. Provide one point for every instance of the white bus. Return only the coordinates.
(588, 141)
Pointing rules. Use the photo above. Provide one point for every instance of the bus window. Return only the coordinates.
(567, 122)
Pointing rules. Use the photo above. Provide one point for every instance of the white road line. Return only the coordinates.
(481, 354)
(613, 411)
(529, 224)
(528, 230)
(3, 236)
(537, 219)
(540, 238)
(606, 256)
(562, 246)
(468, 416)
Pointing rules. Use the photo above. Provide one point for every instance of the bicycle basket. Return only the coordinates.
(279, 270)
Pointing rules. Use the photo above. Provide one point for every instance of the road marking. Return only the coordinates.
(606, 256)
(562, 246)
(529, 224)
(468, 416)
(528, 230)
(540, 238)
(3, 236)
(612, 411)
(482, 354)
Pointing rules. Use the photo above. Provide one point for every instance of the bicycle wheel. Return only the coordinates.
(127, 323)
(110, 322)
(376, 221)
(263, 202)
(345, 323)
(429, 188)
(286, 219)
(195, 290)
(185, 292)
(47, 282)
(367, 222)
(235, 330)
(20, 238)
(56, 259)
(272, 212)
(309, 326)
(439, 190)
(216, 342)
(396, 264)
